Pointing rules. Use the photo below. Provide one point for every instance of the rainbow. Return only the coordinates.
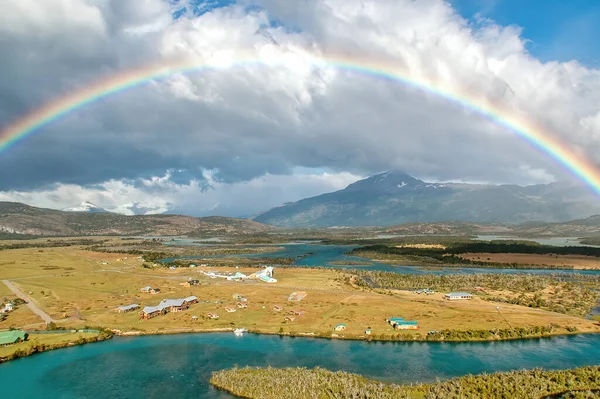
(508, 118)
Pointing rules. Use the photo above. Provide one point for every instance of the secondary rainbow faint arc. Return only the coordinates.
(54, 110)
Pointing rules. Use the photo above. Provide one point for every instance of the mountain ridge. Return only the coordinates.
(18, 218)
(394, 197)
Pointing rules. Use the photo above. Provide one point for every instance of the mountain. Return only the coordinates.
(17, 218)
(393, 198)
(86, 207)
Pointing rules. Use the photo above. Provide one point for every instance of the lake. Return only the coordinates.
(179, 366)
(324, 255)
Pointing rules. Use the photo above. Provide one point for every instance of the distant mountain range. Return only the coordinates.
(17, 218)
(394, 198)
(86, 207)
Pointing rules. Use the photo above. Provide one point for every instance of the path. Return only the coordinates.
(45, 316)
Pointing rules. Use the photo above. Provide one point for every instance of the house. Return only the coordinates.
(12, 337)
(340, 327)
(150, 312)
(398, 323)
(230, 309)
(296, 312)
(277, 308)
(368, 331)
(213, 316)
(191, 300)
(242, 305)
(194, 318)
(173, 305)
(145, 289)
(406, 325)
(289, 318)
(154, 290)
(194, 282)
(7, 308)
(454, 296)
(128, 308)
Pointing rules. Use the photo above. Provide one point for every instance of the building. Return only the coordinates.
(277, 308)
(12, 337)
(242, 305)
(230, 309)
(340, 327)
(398, 323)
(128, 308)
(194, 318)
(454, 296)
(406, 325)
(173, 305)
(368, 331)
(296, 312)
(289, 318)
(7, 308)
(145, 289)
(150, 312)
(167, 305)
(155, 290)
(191, 300)
(213, 316)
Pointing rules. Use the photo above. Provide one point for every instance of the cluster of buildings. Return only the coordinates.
(166, 306)
(148, 289)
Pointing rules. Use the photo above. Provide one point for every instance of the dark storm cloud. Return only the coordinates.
(244, 122)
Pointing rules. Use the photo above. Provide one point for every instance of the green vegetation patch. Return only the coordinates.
(300, 383)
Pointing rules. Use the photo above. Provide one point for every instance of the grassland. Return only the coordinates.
(38, 343)
(79, 287)
(578, 262)
(302, 383)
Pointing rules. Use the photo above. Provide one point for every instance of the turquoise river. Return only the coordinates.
(179, 366)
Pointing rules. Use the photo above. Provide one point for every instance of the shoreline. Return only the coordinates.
(118, 333)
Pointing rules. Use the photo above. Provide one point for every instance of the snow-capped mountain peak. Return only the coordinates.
(86, 206)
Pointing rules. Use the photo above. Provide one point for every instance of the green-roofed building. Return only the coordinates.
(12, 337)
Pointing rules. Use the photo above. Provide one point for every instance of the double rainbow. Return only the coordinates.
(526, 129)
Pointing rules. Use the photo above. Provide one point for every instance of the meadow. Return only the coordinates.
(302, 383)
(78, 287)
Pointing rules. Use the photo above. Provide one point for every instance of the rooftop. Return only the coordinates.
(10, 337)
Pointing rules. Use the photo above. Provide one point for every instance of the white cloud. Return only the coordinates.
(160, 194)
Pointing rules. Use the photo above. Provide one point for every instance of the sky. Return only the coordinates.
(240, 140)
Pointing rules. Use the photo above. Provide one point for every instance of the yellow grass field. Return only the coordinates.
(44, 339)
(75, 288)
(580, 262)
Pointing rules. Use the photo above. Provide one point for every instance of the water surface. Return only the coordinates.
(179, 366)
(325, 255)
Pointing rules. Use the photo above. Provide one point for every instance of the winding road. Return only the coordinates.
(45, 316)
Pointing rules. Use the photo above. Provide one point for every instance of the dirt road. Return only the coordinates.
(45, 316)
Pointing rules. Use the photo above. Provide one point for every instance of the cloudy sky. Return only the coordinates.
(239, 140)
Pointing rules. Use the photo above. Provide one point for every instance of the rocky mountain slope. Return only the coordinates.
(393, 198)
(19, 218)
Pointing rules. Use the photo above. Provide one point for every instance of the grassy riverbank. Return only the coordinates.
(38, 343)
(302, 383)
